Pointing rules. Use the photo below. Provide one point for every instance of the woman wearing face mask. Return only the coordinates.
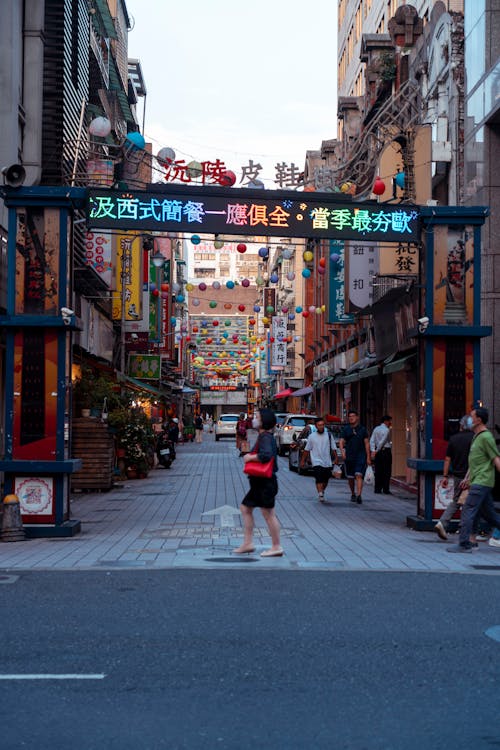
(263, 490)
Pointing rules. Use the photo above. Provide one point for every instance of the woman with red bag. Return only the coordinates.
(263, 489)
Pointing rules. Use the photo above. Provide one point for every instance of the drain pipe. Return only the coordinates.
(32, 99)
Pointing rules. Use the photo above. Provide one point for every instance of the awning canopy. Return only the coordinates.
(283, 394)
(398, 364)
(303, 391)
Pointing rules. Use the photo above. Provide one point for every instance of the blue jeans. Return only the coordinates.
(479, 500)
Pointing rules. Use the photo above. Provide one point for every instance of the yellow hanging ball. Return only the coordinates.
(189, 287)
(323, 308)
(308, 256)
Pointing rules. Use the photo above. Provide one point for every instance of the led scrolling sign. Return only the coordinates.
(241, 212)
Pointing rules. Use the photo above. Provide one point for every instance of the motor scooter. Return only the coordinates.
(165, 450)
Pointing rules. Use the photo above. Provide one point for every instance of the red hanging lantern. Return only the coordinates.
(378, 186)
(305, 314)
(215, 322)
(241, 308)
(241, 247)
(322, 262)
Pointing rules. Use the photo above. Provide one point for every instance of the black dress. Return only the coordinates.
(263, 490)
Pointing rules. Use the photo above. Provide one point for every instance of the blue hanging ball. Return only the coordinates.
(195, 239)
(399, 179)
(291, 316)
(274, 278)
(298, 309)
(263, 252)
(136, 139)
(173, 320)
(179, 298)
(306, 273)
(230, 284)
(152, 286)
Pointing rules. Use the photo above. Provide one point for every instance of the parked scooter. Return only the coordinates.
(165, 450)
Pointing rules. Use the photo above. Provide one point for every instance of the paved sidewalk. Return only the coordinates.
(158, 522)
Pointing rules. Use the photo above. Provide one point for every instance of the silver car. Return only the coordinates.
(226, 426)
(292, 424)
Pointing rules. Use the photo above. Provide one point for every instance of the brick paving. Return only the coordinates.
(158, 523)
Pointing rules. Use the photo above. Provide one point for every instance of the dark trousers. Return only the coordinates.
(479, 501)
(383, 470)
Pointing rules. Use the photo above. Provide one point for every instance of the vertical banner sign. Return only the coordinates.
(269, 301)
(98, 254)
(362, 266)
(129, 277)
(453, 275)
(337, 306)
(279, 345)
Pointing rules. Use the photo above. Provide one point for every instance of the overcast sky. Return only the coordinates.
(237, 80)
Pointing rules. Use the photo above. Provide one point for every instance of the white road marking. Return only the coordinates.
(52, 676)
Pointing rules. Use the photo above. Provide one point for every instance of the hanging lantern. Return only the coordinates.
(202, 287)
(260, 281)
(322, 262)
(274, 278)
(308, 256)
(306, 272)
(241, 308)
(399, 179)
(298, 309)
(305, 314)
(135, 139)
(245, 283)
(165, 156)
(179, 298)
(100, 127)
(212, 303)
(156, 293)
(287, 253)
(195, 329)
(284, 309)
(251, 322)
(265, 321)
(290, 275)
(321, 270)
(312, 308)
(218, 244)
(227, 178)
(263, 252)
(378, 187)
(176, 288)
(345, 187)
(227, 306)
(256, 308)
(165, 287)
(270, 309)
(152, 286)
(241, 247)
(230, 284)
(189, 287)
(173, 320)
(335, 257)
(291, 316)
(194, 169)
(216, 285)
(195, 302)
(209, 340)
(215, 322)
(318, 311)
(195, 239)
(227, 322)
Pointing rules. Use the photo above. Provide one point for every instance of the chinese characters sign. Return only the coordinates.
(129, 261)
(278, 342)
(218, 210)
(336, 308)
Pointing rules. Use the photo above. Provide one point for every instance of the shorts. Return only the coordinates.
(262, 492)
(355, 466)
(322, 474)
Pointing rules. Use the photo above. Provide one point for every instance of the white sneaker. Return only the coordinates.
(441, 531)
(494, 542)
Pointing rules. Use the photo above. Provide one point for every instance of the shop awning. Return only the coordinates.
(140, 385)
(283, 394)
(398, 364)
(303, 391)
(369, 372)
(348, 378)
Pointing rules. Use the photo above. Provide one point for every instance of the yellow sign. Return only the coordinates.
(128, 277)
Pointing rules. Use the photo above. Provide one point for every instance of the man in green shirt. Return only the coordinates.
(484, 458)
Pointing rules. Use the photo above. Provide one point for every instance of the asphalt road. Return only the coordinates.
(250, 659)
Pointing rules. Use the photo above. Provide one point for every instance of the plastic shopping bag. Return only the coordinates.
(369, 475)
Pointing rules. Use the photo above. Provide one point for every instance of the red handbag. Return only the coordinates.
(259, 469)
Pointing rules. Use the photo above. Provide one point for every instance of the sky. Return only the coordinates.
(237, 81)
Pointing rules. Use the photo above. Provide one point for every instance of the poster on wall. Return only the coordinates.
(361, 268)
(453, 275)
(36, 495)
(336, 287)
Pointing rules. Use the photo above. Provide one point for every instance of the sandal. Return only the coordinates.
(272, 553)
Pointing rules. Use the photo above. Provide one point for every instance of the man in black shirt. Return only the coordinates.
(457, 455)
(355, 448)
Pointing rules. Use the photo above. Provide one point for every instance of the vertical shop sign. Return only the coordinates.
(99, 255)
(337, 306)
(278, 342)
(129, 277)
(362, 267)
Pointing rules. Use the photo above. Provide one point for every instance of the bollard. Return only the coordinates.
(12, 524)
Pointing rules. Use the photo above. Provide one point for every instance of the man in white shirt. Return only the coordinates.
(381, 454)
(319, 447)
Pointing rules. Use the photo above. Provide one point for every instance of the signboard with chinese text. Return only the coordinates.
(361, 268)
(144, 366)
(400, 258)
(337, 303)
(279, 344)
(273, 213)
(99, 255)
(129, 263)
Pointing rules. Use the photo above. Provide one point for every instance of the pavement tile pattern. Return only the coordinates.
(159, 522)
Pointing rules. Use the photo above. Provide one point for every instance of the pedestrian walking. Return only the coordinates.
(355, 450)
(263, 490)
(484, 458)
(381, 455)
(241, 431)
(198, 425)
(456, 464)
(320, 449)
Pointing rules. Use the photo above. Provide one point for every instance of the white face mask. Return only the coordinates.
(256, 423)
(469, 423)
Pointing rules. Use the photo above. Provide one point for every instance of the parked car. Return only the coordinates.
(280, 416)
(299, 443)
(293, 423)
(226, 426)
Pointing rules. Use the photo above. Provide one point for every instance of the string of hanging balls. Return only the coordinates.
(101, 127)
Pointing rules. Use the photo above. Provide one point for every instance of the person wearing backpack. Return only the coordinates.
(320, 448)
